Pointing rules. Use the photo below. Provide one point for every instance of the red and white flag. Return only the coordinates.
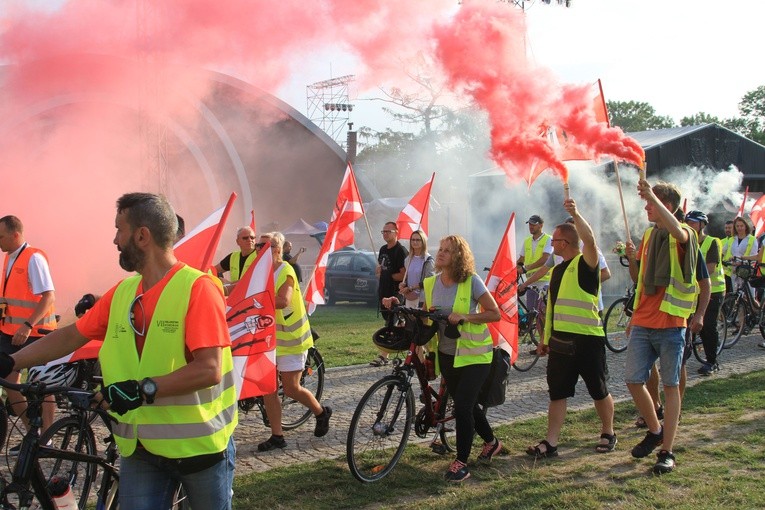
(251, 318)
(559, 139)
(314, 292)
(501, 282)
(743, 203)
(348, 208)
(415, 215)
(198, 247)
(758, 216)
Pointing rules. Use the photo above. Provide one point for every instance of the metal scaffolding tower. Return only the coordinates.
(328, 106)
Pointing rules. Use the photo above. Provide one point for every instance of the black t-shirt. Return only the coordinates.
(391, 261)
(225, 263)
(298, 272)
(588, 281)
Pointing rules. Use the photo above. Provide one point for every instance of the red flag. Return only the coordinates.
(758, 216)
(415, 215)
(501, 282)
(743, 203)
(252, 221)
(198, 247)
(314, 292)
(250, 313)
(348, 208)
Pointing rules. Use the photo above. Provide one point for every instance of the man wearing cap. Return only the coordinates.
(711, 250)
(537, 248)
(605, 272)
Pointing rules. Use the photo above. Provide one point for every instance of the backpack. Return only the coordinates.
(493, 391)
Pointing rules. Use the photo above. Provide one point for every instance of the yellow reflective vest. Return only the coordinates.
(716, 277)
(679, 297)
(574, 310)
(179, 426)
(748, 251)
(293, 332)
(474, 346)
(529, 256)
(234, 260)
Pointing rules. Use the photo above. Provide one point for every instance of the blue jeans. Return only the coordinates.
(646, 345)
(148, 481)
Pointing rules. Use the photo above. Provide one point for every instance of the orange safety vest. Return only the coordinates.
(18, 299)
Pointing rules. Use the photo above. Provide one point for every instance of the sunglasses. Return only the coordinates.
(259, 245)
(388, 231)
(245, 238)
(131, 316)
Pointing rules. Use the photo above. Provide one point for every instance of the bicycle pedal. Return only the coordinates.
(438, 448)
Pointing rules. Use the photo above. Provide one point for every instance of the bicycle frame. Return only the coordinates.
(28, 479)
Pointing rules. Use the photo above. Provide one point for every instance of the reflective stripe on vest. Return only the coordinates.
(679, 297)
(17, 296)
(530, 257)
(474, 346)
(574, 310)
(234, 261)
(716, 277)
(293, 331)
(177, 426)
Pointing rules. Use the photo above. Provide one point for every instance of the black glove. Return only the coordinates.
(6, 364)
(123, 396)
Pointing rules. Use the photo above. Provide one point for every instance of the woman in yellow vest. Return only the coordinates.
(743, 245)
(464, 361)
(293, 339)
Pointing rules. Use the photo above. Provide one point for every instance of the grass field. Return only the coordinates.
(720, 452)
(346, 333)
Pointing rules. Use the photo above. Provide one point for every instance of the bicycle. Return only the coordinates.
(75, 457)
(385, 416)
(742, 313)
(531, 328)
(294, 414)
(617, 319)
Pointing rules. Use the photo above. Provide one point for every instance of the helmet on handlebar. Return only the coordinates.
(63, 374)
(401, 330)
(697, 216)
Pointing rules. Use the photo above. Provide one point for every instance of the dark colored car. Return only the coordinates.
(351, 276)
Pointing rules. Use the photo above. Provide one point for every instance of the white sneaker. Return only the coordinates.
(761, 344)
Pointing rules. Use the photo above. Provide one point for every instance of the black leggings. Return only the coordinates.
(709, 335)
(464, 384)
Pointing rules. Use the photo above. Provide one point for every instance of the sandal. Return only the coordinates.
(379, 361)
(606, 447)
(537, 453)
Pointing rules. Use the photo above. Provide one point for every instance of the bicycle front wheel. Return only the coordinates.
(380, 428)
(735, 317)
(294, 414)
(615, 326)
(68, 434)
(527, 347)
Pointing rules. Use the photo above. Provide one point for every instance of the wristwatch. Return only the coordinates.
(149, 390)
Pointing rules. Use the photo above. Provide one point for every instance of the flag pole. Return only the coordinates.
(621, 199)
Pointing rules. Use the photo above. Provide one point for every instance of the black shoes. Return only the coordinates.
(272, 443)
(665, 463)
(322, 422)
(648, 444)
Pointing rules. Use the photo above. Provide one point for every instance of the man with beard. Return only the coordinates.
(166, 363)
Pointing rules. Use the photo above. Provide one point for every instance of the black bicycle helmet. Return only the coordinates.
(85, 303)
(392, 339)
(697, 216)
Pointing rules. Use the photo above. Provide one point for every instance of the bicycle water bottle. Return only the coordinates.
(61, 493)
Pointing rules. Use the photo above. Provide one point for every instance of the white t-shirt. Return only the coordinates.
(39, 272)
